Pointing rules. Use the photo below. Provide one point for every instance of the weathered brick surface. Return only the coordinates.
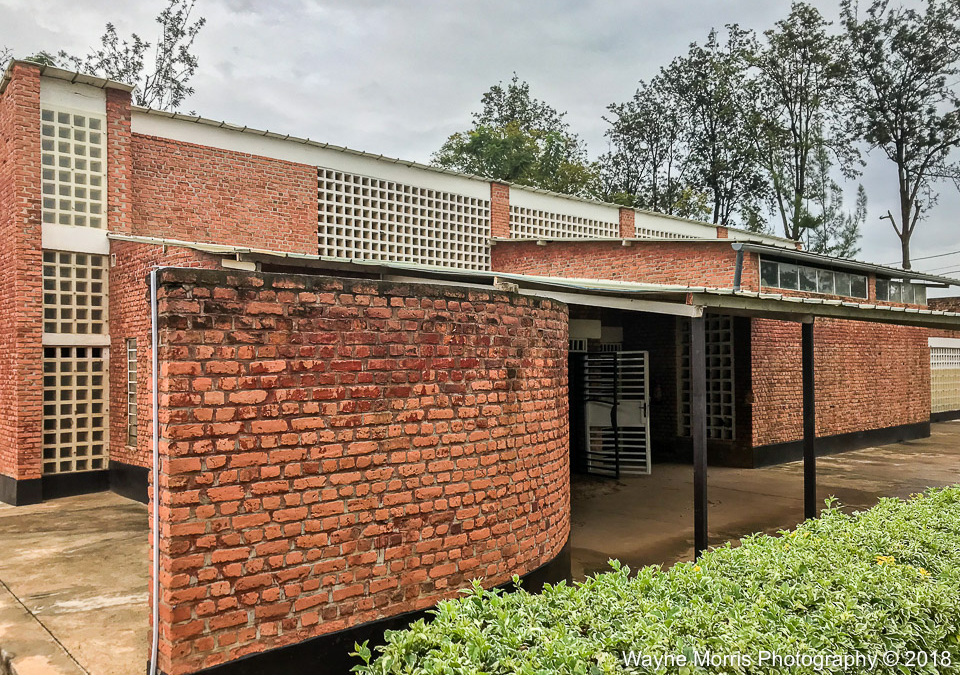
(868, 376)
(119, 161)
(628, 226)
(196, 193)
(499, 210)
(335, 451)
(130, 318)
(951, 304)
(682, 262)
(20, 260)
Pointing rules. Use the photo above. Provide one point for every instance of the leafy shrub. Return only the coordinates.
(884, 580)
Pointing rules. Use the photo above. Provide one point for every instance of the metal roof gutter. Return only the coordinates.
(66, 75)
(844, 263)
(627, 295)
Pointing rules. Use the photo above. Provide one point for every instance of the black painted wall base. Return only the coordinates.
(130, 481)
(330, 654)
(69, 484)
(945, 416)
(20, 492)
(766, 455)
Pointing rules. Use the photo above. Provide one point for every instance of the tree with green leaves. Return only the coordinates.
(723, 158)
(519, 139)
(801, 88)
(905, 101)
(826, 225)
(647, 165)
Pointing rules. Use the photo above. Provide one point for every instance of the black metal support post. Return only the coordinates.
(809, 424)
(698, 430)
(615, 411)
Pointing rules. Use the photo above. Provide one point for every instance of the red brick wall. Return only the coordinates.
(119, 161)
(130, 318)
(682, 262)
(335, 451)
(21, 352)
(951, 304)
(196, 193)
(499, 210)
(628, 226)
(868, 376)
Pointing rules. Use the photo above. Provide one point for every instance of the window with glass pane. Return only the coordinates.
(769, 273)
(808, 279)
(825, 282)
(842, 283)
(812, 279)
(858, 286)
(789, 277)
(906, 293)
(883, 289)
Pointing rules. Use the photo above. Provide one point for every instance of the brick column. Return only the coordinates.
(21, 351)
(628, 227)
(722, 232)
(119, 161)
(500, 210)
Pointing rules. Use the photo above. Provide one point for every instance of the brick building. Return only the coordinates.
(373, 377)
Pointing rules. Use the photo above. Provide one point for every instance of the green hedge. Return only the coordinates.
(885, 580)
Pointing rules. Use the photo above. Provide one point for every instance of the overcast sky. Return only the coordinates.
(396, 77)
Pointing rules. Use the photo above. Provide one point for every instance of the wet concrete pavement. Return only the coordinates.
(73, 586)
(648, 520)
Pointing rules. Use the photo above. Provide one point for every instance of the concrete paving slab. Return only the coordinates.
(80, 566)
(648, 520)
(35, 650)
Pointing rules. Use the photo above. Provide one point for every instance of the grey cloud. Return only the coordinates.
(397, 77)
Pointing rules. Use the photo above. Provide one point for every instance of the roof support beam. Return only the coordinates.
(809, 423)
(698, 430)
(617, 302)
(794, 309)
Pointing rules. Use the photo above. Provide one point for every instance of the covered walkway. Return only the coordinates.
(648, 520)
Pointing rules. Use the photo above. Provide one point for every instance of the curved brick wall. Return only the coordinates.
(336, 451)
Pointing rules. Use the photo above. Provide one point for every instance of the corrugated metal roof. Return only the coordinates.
(680, 294)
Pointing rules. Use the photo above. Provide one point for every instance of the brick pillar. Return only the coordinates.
(119, 163)
(628, 227)
(500, 210)
(722, 232)
(123, 307)
(21, 350)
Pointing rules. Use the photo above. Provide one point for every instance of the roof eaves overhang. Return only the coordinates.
(786, 308)
(632, 296)
(845, 263)
(66, 75)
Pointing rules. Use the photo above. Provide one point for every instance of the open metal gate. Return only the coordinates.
(616, 413)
